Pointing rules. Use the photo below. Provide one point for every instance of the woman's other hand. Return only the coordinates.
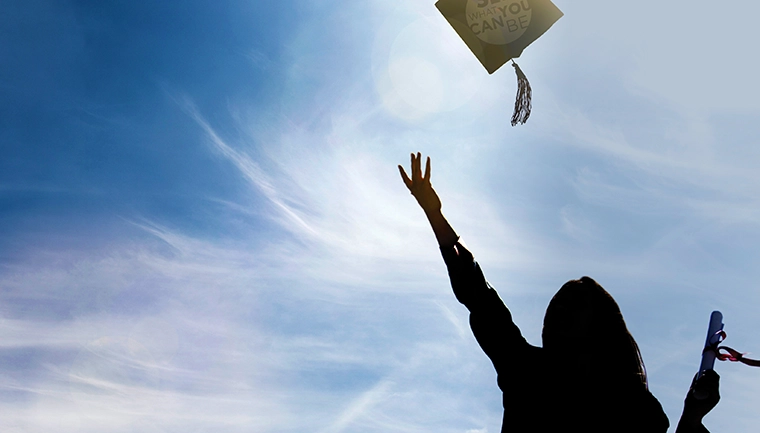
(702, 397)
(703, 394)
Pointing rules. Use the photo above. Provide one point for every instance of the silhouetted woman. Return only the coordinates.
(551, 388)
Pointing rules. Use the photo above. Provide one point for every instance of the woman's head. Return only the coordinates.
(582, 318)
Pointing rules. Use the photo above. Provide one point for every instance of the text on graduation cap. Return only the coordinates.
(498, 22)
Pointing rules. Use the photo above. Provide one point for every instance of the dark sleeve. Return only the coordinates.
(490, 319)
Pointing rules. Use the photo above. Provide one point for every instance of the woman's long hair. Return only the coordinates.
(584, 326)
(584, 319)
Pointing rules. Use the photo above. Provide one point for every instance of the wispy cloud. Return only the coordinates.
(251, 170)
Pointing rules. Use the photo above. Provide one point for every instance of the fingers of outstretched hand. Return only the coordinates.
(414, 180)
(415, 175)
(420, 186)
(405, 177)
(416, 170)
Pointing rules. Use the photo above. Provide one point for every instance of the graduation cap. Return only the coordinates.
(498, 31)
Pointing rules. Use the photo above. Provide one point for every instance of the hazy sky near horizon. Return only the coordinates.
(202, 226)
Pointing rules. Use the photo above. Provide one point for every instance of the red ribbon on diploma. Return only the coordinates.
(732, 355)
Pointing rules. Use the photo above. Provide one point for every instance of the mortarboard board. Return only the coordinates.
(497, 31)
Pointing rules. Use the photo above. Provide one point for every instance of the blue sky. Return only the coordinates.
(202, 227)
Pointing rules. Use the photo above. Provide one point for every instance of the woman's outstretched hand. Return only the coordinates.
(420, 186)
(421, 189)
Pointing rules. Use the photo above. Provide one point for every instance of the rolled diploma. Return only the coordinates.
(708, 356)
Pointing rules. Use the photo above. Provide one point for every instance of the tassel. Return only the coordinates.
(523, 98)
